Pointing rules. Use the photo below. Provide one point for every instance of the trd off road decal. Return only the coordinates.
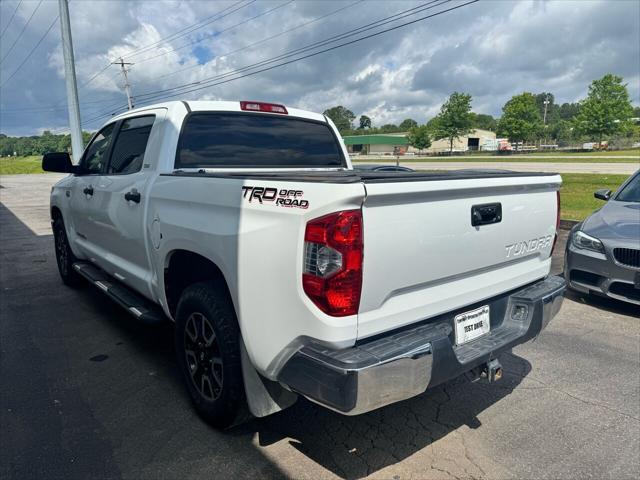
(281, 198)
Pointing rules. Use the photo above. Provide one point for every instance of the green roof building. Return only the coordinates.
(379, 143)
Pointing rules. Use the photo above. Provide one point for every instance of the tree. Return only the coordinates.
(341, 116)
(389, 128)
(606, 110)
(454, 119)
(483, 121)
(419, 137)
(520, 119)
(407, 124)
(568, 111)
(365, 122)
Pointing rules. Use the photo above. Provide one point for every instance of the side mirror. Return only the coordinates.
(602, 194)
(58, 162)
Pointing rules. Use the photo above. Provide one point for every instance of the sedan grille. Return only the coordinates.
(627, 256)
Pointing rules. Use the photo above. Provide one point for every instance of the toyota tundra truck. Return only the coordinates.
(287, 273)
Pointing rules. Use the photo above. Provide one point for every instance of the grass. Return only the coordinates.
(607, 153)
(15, 165)
(555, 158)
(576, 196)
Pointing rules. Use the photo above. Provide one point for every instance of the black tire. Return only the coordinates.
(207, 343)
(64, 256)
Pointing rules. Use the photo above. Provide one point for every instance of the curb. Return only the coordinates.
(568, 224)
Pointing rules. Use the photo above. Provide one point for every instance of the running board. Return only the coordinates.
(133, 302)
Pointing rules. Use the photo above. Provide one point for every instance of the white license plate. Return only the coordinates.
(471, 325)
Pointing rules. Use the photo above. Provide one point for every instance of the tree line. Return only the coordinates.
(37, 144)
(605, 114)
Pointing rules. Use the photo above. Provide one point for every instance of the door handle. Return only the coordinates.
(132, 196)
(486, 214)
(88, 190)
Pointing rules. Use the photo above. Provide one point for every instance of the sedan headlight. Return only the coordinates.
(587, 242)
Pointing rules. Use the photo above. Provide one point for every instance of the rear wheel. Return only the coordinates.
(207, 343)
(64, 256)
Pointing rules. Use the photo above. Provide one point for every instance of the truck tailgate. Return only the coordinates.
(423, 257)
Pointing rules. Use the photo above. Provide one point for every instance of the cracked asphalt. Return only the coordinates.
(85, 392)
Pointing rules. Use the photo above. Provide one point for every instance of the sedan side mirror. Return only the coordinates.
(602, 194)
(58, 162)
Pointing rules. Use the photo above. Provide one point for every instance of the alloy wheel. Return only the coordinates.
(203, 356)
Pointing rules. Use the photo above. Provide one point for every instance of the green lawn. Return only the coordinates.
(576, 195)
(634, 152)
(501, 158)
(13, 165)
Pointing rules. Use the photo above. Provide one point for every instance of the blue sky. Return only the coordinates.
(492, 49)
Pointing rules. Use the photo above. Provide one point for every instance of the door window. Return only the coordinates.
(96, 155)
(130, 145)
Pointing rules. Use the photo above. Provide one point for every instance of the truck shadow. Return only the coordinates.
(354, 447)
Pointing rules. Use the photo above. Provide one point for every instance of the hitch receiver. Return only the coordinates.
(491, 371)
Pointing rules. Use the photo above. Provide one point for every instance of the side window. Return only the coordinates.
(130, 145)
(95, 156)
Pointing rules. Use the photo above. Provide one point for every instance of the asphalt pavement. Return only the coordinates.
(86, 392)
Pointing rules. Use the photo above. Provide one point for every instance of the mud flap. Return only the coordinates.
(264, 396)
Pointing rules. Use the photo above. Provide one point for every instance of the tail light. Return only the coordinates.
(555, 238)
(332, 274)
(263, 107)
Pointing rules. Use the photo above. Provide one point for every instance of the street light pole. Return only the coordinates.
(77, 144)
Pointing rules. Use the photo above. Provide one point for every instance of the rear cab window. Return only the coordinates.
(254, 140)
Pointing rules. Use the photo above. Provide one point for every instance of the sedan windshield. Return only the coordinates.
(631, 191)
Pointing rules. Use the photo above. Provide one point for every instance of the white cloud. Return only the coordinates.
(492, 49)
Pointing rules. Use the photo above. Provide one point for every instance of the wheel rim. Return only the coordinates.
(61, 250)
(203, 356)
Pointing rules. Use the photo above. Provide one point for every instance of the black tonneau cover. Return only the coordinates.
(353, 176)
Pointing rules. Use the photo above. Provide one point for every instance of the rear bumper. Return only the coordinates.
(401, 364)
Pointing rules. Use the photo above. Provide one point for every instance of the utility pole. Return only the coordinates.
(546, 103)
(544, 117)
(77, 144)
(127, 87)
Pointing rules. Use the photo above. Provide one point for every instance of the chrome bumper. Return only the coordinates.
(404, 363)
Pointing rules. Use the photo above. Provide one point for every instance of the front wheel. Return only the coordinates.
(64, 256)
(207, 343)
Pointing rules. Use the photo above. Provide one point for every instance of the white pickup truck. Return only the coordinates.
(289, 273)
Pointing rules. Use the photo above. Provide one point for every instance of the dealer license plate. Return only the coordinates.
(471, 325)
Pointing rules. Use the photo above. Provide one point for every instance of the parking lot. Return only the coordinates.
(87, 392)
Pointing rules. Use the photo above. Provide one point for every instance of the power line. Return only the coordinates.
(254, 44)
(191, 28)
(21, 32)
(264, 40)
(201, 23)
(328, 49)
(11, 18)
(215, 34)
(31, 52)
(309, 47)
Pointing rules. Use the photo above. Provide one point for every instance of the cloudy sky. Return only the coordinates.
(492, 49)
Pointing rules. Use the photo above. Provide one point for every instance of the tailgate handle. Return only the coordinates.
(486, 214)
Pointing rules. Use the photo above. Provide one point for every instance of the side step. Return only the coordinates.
(134, 303)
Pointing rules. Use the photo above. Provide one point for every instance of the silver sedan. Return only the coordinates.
(603, 252)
